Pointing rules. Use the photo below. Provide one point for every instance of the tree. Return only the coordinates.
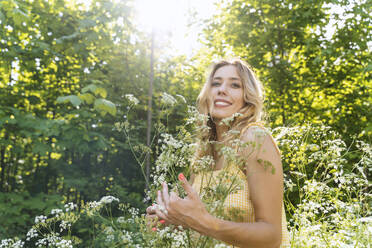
(310, 74)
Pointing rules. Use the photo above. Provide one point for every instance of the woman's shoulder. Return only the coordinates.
(257, 134)
(254, 130)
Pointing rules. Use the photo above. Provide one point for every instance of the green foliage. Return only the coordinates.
(56, 87)
(312, 57)
(19, 209)
(105, 106)
(327, 197)
(333, 210)
(65, 70)
(74, 100)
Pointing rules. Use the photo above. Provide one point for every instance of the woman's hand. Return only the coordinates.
(152, 219)
(188, 212)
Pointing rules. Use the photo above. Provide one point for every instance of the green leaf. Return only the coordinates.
(91, 87)
(67, 37)
(368, 68)
(101, 91)
(96, 90)
(105, 106)
(87, 97)
(75, 100)
(95, 81)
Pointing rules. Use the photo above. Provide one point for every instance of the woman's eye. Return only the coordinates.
(235, 85)
(215, 83)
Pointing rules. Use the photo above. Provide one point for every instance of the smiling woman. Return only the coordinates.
(252, 211)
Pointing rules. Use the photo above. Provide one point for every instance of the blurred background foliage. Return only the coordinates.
(65, 71)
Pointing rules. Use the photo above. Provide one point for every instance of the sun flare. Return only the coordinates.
(161, 15)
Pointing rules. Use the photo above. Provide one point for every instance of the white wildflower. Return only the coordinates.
(40, 219)
(168, 100)
(94, 205)
(365, 219)
(108, 199)
(70, 206)
(182, 98)
(120, 220)
(32, 233)
(64, 225)
(126, 237)
(109, 230)
(203, 164)
(110, 238)
(228, 120)
(132, 99)
(7, 243)
(56, 211)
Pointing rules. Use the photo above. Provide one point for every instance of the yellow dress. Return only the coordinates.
(237, 205)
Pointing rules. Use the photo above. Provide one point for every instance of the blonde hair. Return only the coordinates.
(251, 112)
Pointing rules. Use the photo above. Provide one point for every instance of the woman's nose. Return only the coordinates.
(222, 88)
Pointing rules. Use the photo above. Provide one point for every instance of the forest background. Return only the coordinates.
(65, 70)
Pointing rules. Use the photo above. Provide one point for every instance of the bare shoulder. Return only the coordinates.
(260, 148)
(254, 133)
(253, 138)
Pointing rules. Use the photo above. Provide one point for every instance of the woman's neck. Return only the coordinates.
(220, 130)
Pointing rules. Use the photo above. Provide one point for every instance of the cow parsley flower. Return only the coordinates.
(108, 199)
(168, 100)
(133, 100)
(40, 219)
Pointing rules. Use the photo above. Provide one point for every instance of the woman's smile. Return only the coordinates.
(221, 103)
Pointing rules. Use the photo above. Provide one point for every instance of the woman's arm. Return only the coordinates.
(266, 190)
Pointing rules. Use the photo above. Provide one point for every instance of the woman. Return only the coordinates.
(232, 90)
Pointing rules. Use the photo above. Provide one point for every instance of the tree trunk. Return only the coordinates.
(2, 164)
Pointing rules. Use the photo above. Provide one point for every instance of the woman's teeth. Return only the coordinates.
(222, 104)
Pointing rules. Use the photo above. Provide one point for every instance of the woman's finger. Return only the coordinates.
(191, 193)
(161, 213)
(151, 209)
(165, 195)
(159, 198)
(161, 210)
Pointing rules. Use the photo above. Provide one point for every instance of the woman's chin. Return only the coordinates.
(217, 118)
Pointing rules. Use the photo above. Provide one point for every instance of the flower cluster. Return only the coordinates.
(175, 154)
(168, 100)
(11, 243)
(331, 187)
(53, 240)
(40, 219)
(132, 99)
(108, 199)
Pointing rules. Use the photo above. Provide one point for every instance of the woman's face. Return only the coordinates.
(226, 93)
